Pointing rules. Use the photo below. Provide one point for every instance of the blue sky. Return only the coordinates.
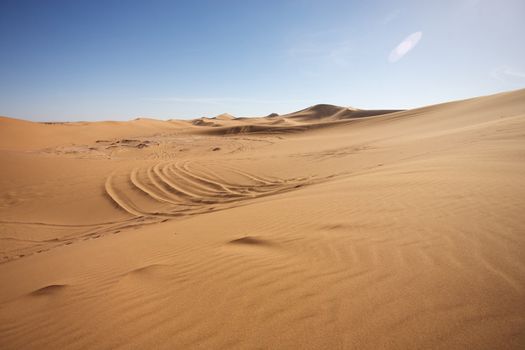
(99, 60)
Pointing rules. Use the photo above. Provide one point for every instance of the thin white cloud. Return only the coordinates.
(327, 48)
(391, 16)
(405, 46)
(206, 100)
(218, 100)
(338, 53)
(471, 3)
(506, 73)
(342, 53)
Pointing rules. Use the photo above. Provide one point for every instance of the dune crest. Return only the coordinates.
(330, 227)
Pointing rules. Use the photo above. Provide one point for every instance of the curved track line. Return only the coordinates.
(180, 189)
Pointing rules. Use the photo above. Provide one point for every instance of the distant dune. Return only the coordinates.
(326, 228)
(331, 112)
(225, 116)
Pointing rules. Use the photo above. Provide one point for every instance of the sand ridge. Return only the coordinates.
(330, 227)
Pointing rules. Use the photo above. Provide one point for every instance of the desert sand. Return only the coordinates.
(327, 228)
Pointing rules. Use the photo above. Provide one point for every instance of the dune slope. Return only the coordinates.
(318, 229)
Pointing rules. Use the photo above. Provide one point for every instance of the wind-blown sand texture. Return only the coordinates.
(328, 228)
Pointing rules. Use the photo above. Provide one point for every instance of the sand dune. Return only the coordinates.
(331, 112)
(225, 116)
(326, 228)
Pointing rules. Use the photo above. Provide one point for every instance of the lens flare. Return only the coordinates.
(405, 46)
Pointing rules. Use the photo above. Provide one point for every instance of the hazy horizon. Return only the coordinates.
(103, 61)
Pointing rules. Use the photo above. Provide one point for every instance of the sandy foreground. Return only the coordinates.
(328, 228)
